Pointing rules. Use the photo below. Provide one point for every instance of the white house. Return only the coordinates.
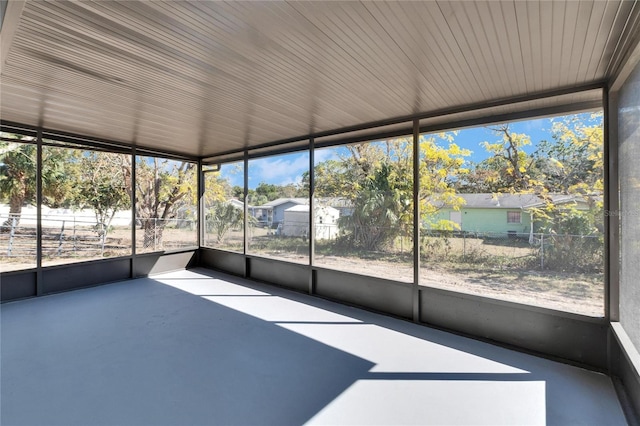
(296, 222)
(272, 213)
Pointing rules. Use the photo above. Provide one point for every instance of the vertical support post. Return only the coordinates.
(312, 220)
(416, 220)
(133, 212)
(39, 284)
(73, 234)
(611, 203)
(200, 209)
(245, 208)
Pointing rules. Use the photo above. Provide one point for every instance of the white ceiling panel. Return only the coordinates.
(204, 77)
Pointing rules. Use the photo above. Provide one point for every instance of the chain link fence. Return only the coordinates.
(511, 250)
(154, 234)
(70, 236)
(61, 237)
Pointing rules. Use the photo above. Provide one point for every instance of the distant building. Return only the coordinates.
(271, 214)
(501, 213)
(296, 222)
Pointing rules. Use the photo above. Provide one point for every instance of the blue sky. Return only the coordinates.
(286, 169)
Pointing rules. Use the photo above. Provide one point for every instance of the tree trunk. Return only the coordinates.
(153, 230)
(15, 210)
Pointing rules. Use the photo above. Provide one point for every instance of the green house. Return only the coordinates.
(499, 213)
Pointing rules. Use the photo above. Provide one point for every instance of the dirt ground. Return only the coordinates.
(581, 294)
(575, 293)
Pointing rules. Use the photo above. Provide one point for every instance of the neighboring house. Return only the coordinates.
(343, 205)
(500, 213)
(296, 222)
(272, 213)
(238, 204)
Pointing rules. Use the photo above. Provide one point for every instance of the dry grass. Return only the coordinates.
(569, 292)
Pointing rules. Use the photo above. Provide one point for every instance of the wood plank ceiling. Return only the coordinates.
(205, 77)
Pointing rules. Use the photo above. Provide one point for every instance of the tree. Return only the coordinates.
(266, 192)
(382, 208)
(161, 186)
(102, 186)
(333, 178)
(510, 168)
(18, 175)
(217, 189)
(441, 167)
(573, 160)
(17, 178)
(222, 217)
(377, 178)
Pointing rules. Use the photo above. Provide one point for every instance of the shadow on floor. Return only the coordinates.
(199, 347)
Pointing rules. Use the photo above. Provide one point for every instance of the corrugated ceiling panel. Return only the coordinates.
(231, 75)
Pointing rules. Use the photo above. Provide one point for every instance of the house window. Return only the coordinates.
(514, 217)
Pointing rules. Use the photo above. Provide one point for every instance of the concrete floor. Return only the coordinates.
(202, 348)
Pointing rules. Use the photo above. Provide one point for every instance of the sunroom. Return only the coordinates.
(140, 285)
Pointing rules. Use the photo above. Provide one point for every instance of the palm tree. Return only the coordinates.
(18, 176)
(222, 217)
(17, 179)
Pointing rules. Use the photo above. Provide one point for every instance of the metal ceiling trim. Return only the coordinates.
(630, 59)
(626, 45)
(515, 116)
(88, 141)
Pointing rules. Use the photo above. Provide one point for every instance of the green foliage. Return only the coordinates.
(18, 174)
(266, 192)
(221, 218)
(216, 189)
(102, 185)
(441, 166)
(509, 168)
(381, 209)
(573, 161)
(162, 187)
(573, 242)
(377, 179)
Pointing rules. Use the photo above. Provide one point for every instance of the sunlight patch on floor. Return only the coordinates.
(383, 402)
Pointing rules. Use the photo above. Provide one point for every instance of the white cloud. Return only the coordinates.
(325, 154)
(280, 170)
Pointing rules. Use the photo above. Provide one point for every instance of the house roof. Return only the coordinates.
(280, 201)
(514, 201)
(237, 203)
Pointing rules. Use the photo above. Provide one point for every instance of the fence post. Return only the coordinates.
(59, 251)
(75, 248)
(542, 251)
(464, 245)
(11, 235)
(155, 233)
